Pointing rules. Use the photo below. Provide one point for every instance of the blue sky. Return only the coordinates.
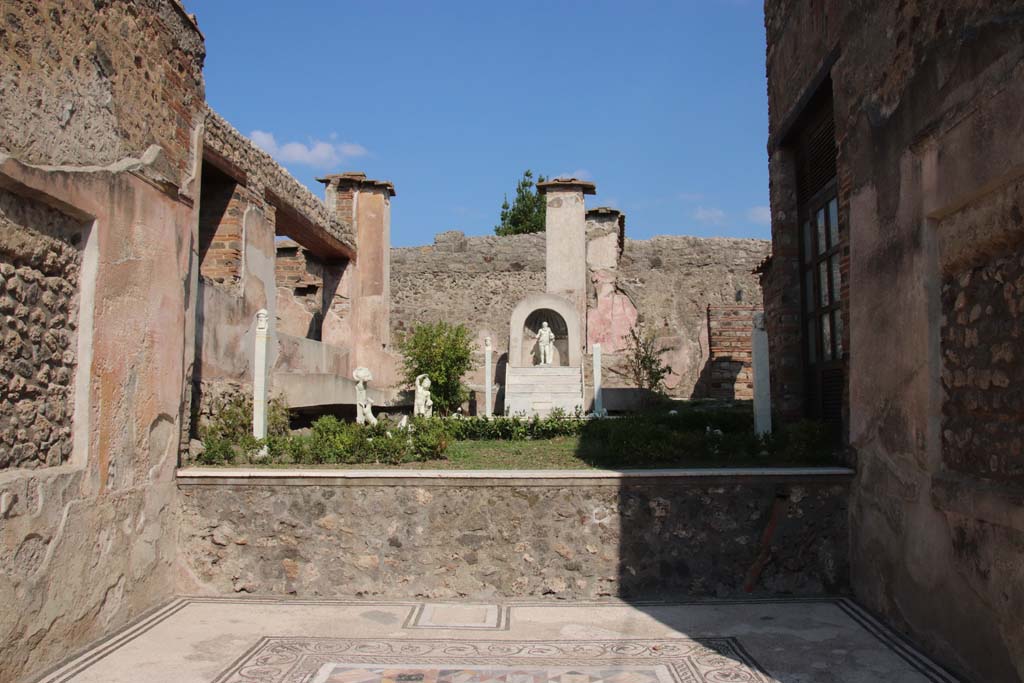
(662, 104)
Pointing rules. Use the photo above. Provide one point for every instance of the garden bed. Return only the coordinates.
(694, 436)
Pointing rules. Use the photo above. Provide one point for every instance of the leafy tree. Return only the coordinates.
(644, 362)
(526, 214)
(443, 352)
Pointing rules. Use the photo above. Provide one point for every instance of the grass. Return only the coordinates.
(559, 453)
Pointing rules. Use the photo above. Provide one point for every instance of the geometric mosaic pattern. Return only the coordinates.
(459, 616)
(357, 660)
(339, 673)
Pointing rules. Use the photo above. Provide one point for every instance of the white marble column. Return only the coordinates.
(488, 378)
(762, 377)
(598, 396)
(259, 376)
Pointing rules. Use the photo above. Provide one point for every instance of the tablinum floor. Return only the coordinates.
(225, 640)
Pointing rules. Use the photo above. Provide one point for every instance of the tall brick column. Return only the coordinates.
(566, 228)
(365, 205)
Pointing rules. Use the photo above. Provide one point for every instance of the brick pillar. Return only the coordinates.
(566, 227)
(365, 206)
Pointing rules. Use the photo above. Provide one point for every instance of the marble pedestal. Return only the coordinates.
(539, 389)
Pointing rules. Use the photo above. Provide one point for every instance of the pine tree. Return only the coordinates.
(526, 214)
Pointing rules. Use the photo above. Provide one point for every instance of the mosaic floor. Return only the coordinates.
(228, 640)
(336, 660)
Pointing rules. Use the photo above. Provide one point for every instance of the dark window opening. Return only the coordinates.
(219, 243)
(820, 260)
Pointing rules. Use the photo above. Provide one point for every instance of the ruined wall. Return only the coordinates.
(930, 159)
(87, 93)
(70, 93)
(300, 291)
(40, 262)
(309, 221)
(480, 539)
(236, 280)
(476, 281)
(669, 280)
(247, 201)
(673, 279)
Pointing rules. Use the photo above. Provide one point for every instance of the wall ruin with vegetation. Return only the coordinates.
(669, 281)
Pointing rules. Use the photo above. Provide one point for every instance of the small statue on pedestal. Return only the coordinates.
(364, 404)
(424, 404)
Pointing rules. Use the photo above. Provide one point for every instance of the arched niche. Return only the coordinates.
(557, 324)
(561, 317)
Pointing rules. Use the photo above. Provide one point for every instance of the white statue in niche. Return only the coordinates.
(423, 406)
(364, 404)
(545, 343)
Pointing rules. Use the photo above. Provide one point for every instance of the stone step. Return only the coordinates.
(541, 370)
(537, 379)
(544, 388)
(542, 404)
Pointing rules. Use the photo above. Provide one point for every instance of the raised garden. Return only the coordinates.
(687, 435)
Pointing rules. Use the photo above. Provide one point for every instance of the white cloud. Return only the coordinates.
(318, 153)
(578, 174)
(351, 149)
(264, 141)
(760, 215)
(710, 216)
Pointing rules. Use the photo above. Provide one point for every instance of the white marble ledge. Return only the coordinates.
(227, 473)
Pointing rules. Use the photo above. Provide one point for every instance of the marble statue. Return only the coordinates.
(423, 406)
(546, 343)
(364, 404)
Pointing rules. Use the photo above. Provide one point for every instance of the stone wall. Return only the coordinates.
(930, 152)
(473, 280)
(670, 281)
(40, 260)
(70, 94)
(476, 281)
(102, 105)
(477, 538)
(983, 374)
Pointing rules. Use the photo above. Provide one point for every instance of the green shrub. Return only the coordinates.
(806, 441)
(430, 438)
(514, 428)
(697, 435)
(337, 442)
(644, 363)
(713, 437)
(443, 352)
(228, 438)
